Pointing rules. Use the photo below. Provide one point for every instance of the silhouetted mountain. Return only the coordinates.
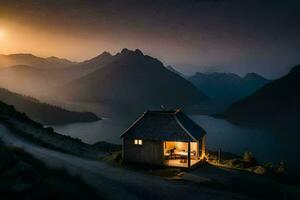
(60, 61)
(275, 105)
(96, 62)
(28, 74)
(34, 61)
(133, 81)
(31, 80)
(42, 112)
(174, 70)
(227, 87)
(32, 75)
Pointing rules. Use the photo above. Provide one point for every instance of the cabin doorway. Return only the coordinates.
(181, 154)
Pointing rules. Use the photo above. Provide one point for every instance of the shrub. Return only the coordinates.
(249, 157)
(280, 168)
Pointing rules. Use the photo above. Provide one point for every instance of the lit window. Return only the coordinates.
(138, 142)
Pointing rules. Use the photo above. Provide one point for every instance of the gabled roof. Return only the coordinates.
(165, 126)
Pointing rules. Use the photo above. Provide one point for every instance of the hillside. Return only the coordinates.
(133, 81)
(25, 177)
(276, 105)
(22, 125)
(32, 60)
(227, 87)
(44, 113)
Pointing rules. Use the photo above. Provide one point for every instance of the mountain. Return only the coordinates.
(174, 70)
(34, 61)
(30, 80)
(133, 81)
(20, 124)
(31, 75)
(227, 87)
(42, 112)
(276, 105)
(95, 63)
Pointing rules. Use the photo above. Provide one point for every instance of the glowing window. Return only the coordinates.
(138, 142)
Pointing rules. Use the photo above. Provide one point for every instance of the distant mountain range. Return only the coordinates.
(34, 61)
(276, 105)
(44, 113)
(30, 75)
(128, 80)
(131, 80)
(227, 87)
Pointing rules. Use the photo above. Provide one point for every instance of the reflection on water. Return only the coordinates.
(266, 146)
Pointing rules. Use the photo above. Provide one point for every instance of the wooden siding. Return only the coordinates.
(151, 152)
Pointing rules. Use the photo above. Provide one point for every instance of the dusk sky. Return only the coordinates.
(206, 36)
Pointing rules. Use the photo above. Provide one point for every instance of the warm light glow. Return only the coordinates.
(1, 34)
(138, 142)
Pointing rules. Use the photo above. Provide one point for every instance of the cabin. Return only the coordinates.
(165, 138)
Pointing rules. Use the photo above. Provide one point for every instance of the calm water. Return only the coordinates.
(266, 146)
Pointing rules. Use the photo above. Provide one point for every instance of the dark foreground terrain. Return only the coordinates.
(117, 182)
(24, 177)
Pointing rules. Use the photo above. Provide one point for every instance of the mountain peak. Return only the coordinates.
(139, 52)
(253, 76)
(126, 51)
(105, 54)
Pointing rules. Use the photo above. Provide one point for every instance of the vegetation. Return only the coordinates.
(249, 157)
(248, 162)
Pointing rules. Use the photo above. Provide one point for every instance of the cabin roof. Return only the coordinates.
(165, 126)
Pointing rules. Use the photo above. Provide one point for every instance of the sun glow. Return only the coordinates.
(2, 34)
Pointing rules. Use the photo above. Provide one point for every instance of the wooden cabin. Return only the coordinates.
(168, 138)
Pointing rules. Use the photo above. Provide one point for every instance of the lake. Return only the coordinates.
(266, 146)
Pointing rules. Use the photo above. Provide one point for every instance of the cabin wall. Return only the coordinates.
(151, 152)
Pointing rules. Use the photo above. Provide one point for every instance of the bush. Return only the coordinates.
(280, 168)
(249, 157)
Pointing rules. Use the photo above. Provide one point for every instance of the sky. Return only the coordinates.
(191, 35)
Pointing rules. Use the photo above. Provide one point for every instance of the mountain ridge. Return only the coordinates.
(276, 105)
(42, 112)
(131, 78)
(227, 87)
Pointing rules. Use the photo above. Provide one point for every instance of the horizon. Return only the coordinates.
(191, 36)
(117, 99)
(165, 64)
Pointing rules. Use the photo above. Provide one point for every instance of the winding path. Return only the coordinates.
(112, 182)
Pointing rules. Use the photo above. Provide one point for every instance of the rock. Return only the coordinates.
(259, 170)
